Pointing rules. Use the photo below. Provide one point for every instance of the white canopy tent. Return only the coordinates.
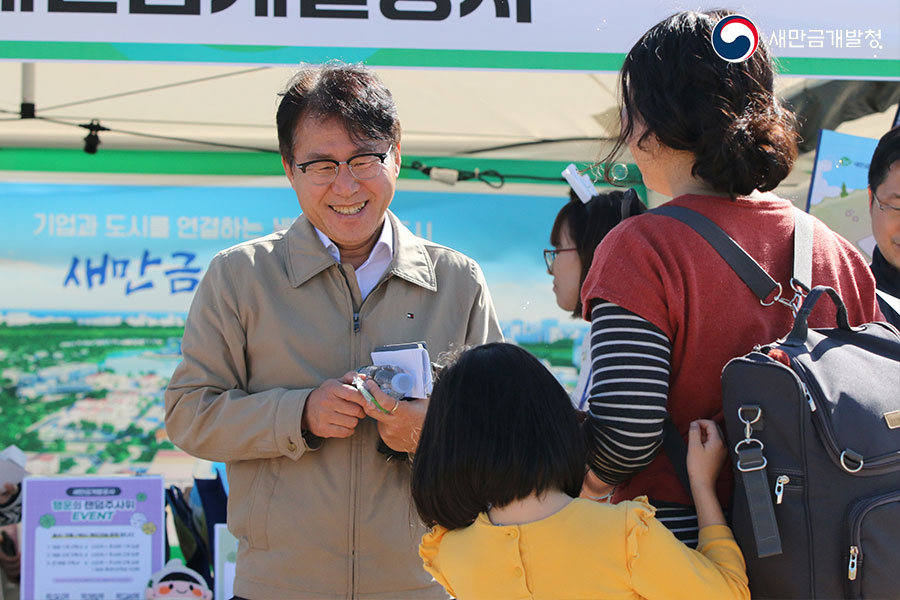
(444, 112)
(535, 83)
(481, 114)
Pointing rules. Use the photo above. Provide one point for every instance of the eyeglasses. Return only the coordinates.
(363, 166)
(891, 212)
(550, 257)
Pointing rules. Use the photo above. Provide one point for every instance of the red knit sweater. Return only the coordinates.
(661, 270)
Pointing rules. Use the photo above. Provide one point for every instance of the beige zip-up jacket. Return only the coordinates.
(271, 320)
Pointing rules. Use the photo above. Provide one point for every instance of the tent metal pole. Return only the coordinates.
(27, 107)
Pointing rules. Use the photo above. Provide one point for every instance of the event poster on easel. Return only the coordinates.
(91, 538)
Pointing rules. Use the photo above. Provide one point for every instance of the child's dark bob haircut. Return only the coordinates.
(499, 427)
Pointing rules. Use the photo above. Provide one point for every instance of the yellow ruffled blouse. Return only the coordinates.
(586, 550)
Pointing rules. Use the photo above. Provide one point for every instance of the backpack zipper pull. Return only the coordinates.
(779, 487)
(809, 400)
(851, 567)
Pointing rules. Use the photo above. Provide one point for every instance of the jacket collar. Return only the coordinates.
(307, 256)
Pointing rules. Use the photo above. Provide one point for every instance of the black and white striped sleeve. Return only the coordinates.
(629, 388)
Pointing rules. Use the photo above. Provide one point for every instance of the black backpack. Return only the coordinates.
(814, 423)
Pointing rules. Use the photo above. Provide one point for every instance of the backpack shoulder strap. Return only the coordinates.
(756, 278)
(803, 248)
(760, 283)
(676, 449)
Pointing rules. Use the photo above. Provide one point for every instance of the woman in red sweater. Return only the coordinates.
(667, 312)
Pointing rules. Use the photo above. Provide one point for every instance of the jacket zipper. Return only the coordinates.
(357, 326)
(354, 446)
(357, 458)
(354, 341)
(871, 466)
(855, 518)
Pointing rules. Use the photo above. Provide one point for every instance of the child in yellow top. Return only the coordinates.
(499, 465)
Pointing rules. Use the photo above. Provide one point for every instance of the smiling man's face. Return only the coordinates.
(348, 210)
(886, 220)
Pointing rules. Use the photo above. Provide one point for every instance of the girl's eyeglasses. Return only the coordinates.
(550, 257)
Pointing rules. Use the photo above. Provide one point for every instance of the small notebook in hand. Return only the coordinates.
(414, 358)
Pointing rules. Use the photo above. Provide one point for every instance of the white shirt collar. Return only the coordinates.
(385, 240)
(369, 273)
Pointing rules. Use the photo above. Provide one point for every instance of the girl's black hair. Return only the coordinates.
(499, 427)
(726, 114)
(588, 223)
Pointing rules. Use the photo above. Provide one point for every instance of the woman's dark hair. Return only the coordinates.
(588, 223)
(350, 93)
(499, 427)
(887, 152)
(726, 114)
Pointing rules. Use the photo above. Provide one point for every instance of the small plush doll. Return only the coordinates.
(177, 582)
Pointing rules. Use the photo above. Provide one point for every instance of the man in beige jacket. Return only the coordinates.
(276, 325)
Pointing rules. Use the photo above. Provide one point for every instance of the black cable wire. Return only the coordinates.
(200, 142)
(535, 177)
(266, 126)
(537, 143)
(490, 177)
(155, 88)
(165, 137)
(483, 176)
(464, 175)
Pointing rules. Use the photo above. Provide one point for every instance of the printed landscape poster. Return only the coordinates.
(98, 280)
(839, 191)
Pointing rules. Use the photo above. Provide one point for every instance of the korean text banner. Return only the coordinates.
(517, 34)
(98, 280)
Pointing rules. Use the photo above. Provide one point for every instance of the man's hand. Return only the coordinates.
(401, 426)
(333, 409)
(8, 492)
